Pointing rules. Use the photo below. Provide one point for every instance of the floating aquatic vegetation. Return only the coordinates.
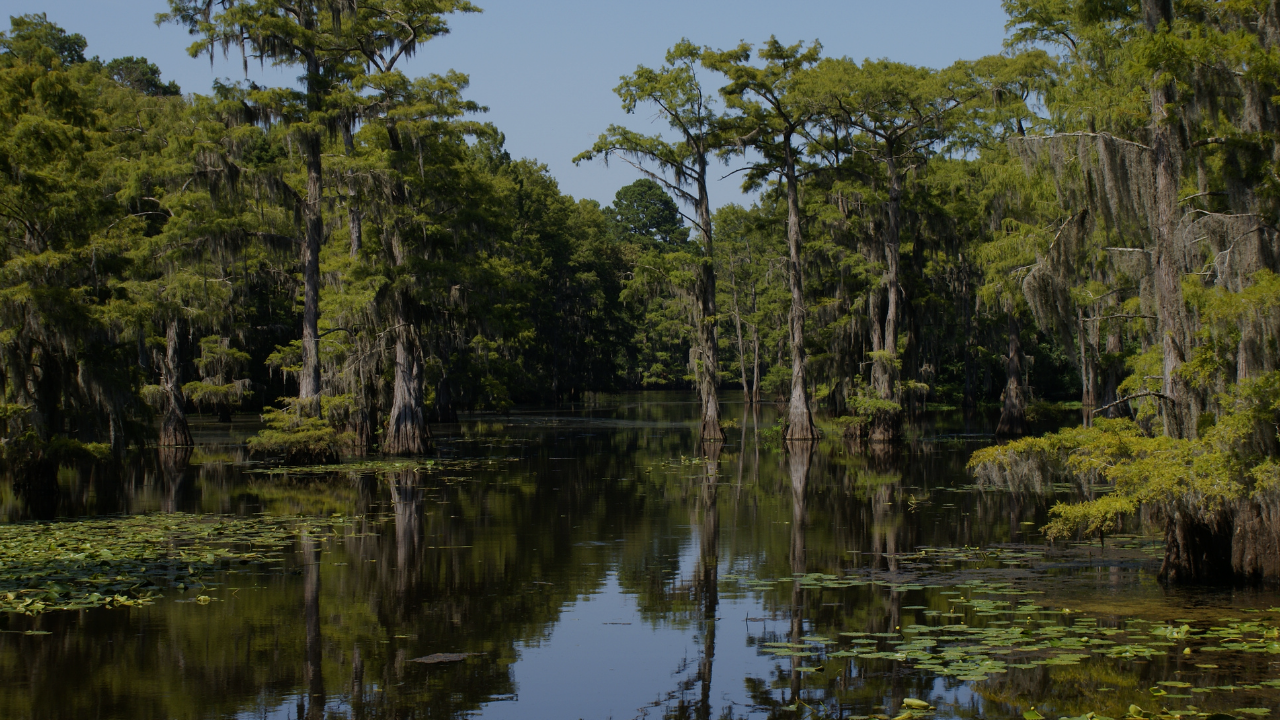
(130, 560)
(444, 658)
(357, 466)
(996, 626)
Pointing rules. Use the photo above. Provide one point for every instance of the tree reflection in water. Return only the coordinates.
(524, 524)
(707, 586)
(799, 458)
(312, 707)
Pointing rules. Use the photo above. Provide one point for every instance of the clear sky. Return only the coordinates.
(547, 70)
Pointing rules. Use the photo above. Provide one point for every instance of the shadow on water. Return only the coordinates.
(595, 562)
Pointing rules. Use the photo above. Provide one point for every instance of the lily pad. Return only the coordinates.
(443, 658)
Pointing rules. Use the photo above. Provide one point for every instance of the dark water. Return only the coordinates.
(593, 564)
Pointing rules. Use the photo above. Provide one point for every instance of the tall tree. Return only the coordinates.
(897, 116)
(337, 45)
(65, 237)
(774, 121)
(648, 228)
(681, 166)
(425, 150)
(745, 257)
(1182, 406)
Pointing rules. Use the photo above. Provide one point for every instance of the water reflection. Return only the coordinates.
(707, 587)
(799, 458)
(312, 706)
(174, 463)
(597, 564)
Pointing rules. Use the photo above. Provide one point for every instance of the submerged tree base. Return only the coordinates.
(1246, 531)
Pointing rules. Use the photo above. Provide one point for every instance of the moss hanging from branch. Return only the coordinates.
(1112, 177)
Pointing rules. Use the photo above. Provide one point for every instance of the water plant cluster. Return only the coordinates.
(982, 615)
(129, 561)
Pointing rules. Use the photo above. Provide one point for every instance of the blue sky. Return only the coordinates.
(547, 70)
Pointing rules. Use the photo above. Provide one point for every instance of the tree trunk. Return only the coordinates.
(799, 418)
(445, 412)
(407, 431)
(1013, 416)
(173, 428)
(886, 425)
(968, 400)
(1250, 354)
(1111, 385)
(1180, 408)
(1088, 369)
(309, 378)
(1240, 542)
(742, 345)
(706, 366)
(354, 216)
(755, 354)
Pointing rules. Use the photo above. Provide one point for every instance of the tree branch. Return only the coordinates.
(1209, 141)
(1112, 317)
(1131, 397)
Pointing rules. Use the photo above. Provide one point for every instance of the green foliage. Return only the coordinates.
(22, 449)
(128, 561)
(218, 363)
(643, 211)
(34, 39)
(865, 410)
(140, 75)
(300, 436)
(650, 233)
(1230, 461)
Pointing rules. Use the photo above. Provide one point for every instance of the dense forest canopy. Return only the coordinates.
(1089, 215)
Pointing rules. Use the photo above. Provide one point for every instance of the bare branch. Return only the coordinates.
(1135, 396)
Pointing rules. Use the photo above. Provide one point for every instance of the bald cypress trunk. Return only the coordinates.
(886, 425)
(1240, 542)
(407, 431)
(354, 216)
(309, 377)
(1088, 369)
(1180, 408)
(755, 355)
(706, 365)
(173, 427)
(742, 363)
(1013, 415)
(742, 345)
(1111, 386)
(799, 418)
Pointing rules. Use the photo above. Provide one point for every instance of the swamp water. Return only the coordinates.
(591, 565)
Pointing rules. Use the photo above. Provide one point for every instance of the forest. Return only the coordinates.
(1087, 217)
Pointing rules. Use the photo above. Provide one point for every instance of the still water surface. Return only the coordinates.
(595, 564)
